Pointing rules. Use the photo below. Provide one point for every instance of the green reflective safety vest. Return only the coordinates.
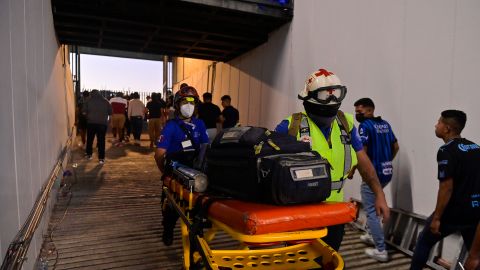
(334, 155)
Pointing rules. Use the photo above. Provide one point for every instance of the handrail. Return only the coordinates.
(17, 250)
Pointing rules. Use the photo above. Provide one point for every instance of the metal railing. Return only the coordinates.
(17, 250)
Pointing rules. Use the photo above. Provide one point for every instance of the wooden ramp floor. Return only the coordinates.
(109, 217)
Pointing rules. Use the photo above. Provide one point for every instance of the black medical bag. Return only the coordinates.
(252, 163)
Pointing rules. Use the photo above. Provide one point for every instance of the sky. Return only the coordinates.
(114, 73)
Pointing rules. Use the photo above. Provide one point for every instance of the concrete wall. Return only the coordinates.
(413, 58)
(36, 111)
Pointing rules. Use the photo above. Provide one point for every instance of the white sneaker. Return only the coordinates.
(381, 256)
(101, 161)
(367, 239)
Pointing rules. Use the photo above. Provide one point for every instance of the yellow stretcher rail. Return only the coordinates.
(198, 254)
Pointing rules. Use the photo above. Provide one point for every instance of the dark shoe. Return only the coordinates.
(167, 237)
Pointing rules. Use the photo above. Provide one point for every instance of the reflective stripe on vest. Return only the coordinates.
(347, 164)
(341, 157)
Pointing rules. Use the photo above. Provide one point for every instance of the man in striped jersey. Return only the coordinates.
(381, 146)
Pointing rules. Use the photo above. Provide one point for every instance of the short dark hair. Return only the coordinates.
(183, 85)
(226, 97)
(119, 94)
(207, 96)
(365, 102)
(455, 119)
(135, 95)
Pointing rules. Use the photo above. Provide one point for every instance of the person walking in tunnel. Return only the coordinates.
(381, 146)
(97, 110)
(458, 199)
(156, 118)
(82, 119)
(136, 113)
(119, 104)
(128, 126)
(210, 114)
(181, 140)
(333, 135)
(230, 116)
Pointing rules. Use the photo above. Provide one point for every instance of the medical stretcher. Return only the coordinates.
(269, 236)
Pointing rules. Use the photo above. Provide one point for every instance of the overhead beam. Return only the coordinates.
(186, 29)
(119, 53)
(256, 7)
(205, 29)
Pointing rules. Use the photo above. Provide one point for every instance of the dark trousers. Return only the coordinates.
(427, 240)
(128, 127)
(170, 217)
(98, 130)
(137, 126)
(335, 236)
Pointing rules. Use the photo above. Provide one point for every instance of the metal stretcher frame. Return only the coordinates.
(288, 250)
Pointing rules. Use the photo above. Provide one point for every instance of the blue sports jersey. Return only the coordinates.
(377, 135)
(173, 135)
(356, 142)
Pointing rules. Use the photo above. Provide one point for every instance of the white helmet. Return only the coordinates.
(323, 87)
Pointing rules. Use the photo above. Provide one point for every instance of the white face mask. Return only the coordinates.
(187, 110)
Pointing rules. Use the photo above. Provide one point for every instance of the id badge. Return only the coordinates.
(186, 144)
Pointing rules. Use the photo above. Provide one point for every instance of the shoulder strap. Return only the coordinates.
(343, 123)
(295, 124)
(346, 139)
(188, 133)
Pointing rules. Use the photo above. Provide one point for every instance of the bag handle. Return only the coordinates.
(295, 124)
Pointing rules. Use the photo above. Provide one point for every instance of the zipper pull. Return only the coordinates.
(273, 145)
(258, 148)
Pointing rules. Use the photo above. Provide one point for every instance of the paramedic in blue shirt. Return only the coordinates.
(381, 146)
(321, 125)
(181, 140)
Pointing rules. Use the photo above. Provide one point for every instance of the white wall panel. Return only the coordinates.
(234, 81)
(414, 59)
(276, 73)
(428, 68)
(36, 111)
(9, 219)
(466, 66)
(217, 84)
(244, 90)
(255, 88)
(225, 85)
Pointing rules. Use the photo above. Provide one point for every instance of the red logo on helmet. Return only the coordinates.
(323, 72)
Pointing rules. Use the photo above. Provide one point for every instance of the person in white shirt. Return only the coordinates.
(136, 113)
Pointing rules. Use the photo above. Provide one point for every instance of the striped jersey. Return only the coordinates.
(377, 135)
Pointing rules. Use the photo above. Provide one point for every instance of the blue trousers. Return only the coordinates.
(426, 240)
(373, 222)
